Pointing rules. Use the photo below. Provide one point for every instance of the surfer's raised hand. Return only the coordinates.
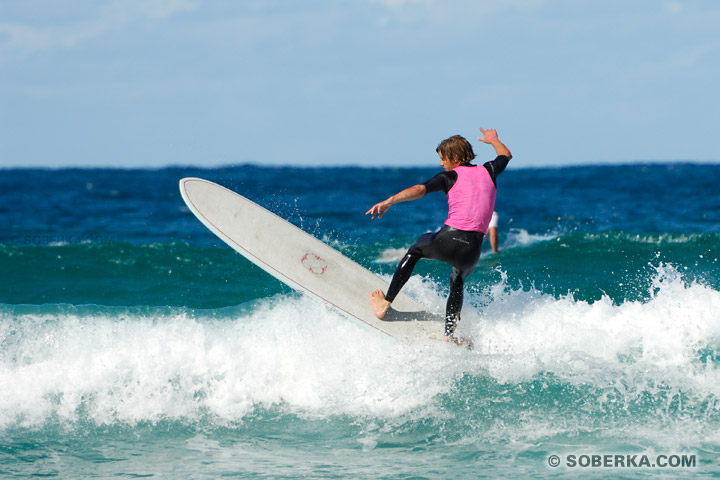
(490, 136)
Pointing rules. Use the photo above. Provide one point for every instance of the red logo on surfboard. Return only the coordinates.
(315, 264)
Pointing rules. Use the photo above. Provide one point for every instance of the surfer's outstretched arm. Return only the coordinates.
(412, 193)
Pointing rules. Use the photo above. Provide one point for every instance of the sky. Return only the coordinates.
(149, 83)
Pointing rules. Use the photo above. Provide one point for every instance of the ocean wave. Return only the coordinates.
(115, 365)
(656, 239)
(518, 237)
(391, 255)
(533, 352)
(666, 332)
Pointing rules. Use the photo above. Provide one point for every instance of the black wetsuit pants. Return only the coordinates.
(459, 248)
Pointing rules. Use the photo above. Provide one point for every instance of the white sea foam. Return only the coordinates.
(521, 333)
(518, 237)
(660, 239)
(288, 352)
(391, 255)
(654, 361)
(294, 353)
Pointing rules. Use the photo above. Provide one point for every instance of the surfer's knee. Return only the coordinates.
(409, 261)
(457, 278)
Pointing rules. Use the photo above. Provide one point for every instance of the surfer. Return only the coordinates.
(471, 199)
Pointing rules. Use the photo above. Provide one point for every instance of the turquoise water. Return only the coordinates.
(133, 344)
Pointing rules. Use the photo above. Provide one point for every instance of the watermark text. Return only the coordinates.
(622, 461)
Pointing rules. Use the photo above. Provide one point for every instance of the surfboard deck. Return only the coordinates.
(303, 262)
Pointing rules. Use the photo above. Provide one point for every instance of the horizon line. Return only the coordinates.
(170, 166)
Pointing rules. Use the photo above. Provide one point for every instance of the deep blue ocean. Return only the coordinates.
(133, 343)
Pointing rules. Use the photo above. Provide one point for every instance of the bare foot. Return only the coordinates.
(459, 342)
(379, 304)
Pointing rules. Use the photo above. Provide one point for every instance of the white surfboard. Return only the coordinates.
(303, 262)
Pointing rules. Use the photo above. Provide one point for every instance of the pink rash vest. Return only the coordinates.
(471, 200)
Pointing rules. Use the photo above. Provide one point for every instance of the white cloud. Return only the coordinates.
(477, 5)
(167, 8)
(401, 3)
(27, 38)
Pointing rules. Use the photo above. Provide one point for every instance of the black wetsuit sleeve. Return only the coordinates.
(442, 181)
(496, 167)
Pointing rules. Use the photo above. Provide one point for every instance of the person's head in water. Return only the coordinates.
(455, 151)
